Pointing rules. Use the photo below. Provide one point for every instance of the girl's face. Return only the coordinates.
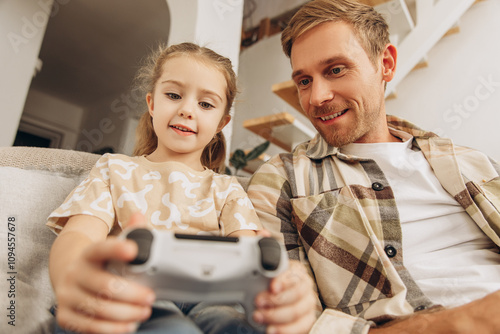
(187, 107)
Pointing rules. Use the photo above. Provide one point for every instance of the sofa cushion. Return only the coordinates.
(28, 194)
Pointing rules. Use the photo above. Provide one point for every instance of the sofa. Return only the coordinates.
(33, 182)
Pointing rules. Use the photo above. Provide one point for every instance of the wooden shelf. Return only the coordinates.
(288, 92)
(283, 130)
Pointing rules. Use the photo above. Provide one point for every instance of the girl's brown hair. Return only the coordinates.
(214, 154)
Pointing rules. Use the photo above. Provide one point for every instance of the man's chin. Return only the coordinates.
(338, 139)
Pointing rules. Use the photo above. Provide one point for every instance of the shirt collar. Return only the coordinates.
(318, 148)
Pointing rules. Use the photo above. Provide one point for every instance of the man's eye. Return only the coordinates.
(206, 105)
(173, 96)
(304, 82)
(336, 70)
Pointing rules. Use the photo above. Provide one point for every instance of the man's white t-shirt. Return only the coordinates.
(447, 254)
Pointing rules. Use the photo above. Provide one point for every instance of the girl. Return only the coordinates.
(172, 182)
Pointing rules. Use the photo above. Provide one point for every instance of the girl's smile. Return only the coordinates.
(182, 130)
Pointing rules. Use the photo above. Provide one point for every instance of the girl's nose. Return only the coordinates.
(185, 111)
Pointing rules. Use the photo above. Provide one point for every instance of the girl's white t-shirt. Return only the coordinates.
(170, 195)
(447, 254)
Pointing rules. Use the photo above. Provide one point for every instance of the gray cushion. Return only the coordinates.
(28, 194)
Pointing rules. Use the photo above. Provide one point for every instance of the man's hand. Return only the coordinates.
(289, 306)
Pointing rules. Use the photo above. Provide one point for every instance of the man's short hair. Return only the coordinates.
(369, 26)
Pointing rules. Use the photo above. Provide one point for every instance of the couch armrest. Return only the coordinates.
(50, 159)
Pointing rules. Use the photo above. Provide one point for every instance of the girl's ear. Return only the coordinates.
(223, 122)
(150, 102)
(389, 60)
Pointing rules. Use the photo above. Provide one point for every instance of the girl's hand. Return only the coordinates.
(91, 299)
(289, 306)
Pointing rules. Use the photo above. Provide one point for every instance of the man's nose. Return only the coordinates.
(321, 93)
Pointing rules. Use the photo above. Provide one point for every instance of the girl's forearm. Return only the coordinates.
(71, 242)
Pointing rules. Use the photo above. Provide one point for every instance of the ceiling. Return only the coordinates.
(92, 48)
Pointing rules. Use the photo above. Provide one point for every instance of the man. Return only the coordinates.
(399, 228)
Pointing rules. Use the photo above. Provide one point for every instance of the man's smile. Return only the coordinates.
(332, 116)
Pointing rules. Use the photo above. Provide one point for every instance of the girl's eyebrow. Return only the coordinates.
(204, 91)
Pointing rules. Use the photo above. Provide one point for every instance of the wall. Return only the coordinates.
(22, 26)
(261, 65)
(458, 94)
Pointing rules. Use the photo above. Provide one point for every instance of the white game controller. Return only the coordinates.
(195, 268)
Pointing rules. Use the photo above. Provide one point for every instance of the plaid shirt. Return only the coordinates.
(337, 214)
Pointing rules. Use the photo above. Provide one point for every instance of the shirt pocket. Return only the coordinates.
(347, 267)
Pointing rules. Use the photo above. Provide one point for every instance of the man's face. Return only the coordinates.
(340, 89)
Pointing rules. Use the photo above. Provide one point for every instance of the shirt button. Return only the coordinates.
(420, 308)
(377, 186)
(390, 251)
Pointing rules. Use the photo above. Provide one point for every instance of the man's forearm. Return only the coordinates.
(479, 316)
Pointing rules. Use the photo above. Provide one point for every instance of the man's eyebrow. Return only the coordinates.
(333, 59)
(297, 73)
(321, 63)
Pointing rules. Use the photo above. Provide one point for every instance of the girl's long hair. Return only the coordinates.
(214, 154)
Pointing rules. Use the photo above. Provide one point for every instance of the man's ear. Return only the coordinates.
(389, 60)
(223, 122)
(150, 102)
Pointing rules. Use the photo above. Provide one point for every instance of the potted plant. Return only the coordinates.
(240, 159)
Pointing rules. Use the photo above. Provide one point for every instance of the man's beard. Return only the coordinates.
(363, 122)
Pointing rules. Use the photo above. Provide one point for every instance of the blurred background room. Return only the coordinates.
(67, 69)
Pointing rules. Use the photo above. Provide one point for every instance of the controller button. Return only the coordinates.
(144, 239)
(270, 253)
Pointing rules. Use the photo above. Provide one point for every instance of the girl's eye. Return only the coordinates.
(206, 105)
(173, 96)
